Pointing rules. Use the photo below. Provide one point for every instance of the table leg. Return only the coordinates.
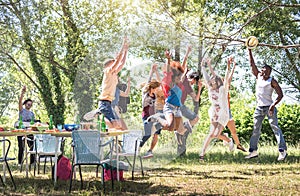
(26, 157)
(55, 160)
(117, 154)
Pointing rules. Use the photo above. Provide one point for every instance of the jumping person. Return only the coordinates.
(158, 108)
(231, 122)
(265, 85)
(109, 83)
(218, 112)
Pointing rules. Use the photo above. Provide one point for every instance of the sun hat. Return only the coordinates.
(251, 42)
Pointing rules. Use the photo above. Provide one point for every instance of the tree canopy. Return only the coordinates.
(56, 47)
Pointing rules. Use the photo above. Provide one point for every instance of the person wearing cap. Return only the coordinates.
(27, 116)
(109, 83)
(265, 86)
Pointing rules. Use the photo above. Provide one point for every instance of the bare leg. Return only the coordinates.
(194, 121)
(179, 125)
(154, 141)
(170, 121)
(231, 127)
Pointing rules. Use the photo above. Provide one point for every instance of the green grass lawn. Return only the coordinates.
(222, 173)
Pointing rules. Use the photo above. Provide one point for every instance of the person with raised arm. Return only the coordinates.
(265, 86)
(218, 112)
(109, 83)
(26, 116)
(231, 122)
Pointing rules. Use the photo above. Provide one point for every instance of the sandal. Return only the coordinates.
(240, 147)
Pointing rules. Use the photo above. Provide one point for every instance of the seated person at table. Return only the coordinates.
(27, 116)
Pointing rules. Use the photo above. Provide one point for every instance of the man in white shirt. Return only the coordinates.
(265, 85)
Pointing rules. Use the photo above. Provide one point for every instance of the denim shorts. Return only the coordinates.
(187, 113)
(169, 108)
(106, 109)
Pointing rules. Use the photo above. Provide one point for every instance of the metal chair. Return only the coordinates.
(130, 146)
(6, 159)
(87, 151)
(44, 146)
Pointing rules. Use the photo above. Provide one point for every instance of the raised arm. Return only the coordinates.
(157, 74)
(193, 95)
(229, 74)
(208, 61)
(21, 98)
(188, 51)
(168, 55)
(252, 64)
(121, 64)
(153, 67)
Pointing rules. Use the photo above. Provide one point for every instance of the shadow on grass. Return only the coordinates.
(92, 186)
(237, 158)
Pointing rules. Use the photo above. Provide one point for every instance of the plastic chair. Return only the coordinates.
(44, 146)
(6, 159)
(130, 146)
(87, 151)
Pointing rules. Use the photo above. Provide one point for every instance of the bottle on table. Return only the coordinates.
(32, 121)
(51, 122)
(21, 126)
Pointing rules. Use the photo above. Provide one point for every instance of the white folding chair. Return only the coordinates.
(130, 146)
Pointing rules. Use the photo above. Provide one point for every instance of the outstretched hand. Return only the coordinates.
(23, 89)
(168, 54)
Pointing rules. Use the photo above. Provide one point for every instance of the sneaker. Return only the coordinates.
(240, 147)
(181, 150)
(91, 115)
(224, 142)
(282, 155)
(148, 154)
(252, 155)
(155, 117)
(188, 126)
(231, 145)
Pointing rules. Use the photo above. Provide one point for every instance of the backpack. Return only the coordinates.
(64, 168)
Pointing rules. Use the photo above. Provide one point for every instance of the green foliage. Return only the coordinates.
(288, 120)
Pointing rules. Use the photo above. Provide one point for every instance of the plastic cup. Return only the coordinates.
(59, 127)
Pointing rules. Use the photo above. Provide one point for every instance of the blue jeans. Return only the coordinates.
(259, 115)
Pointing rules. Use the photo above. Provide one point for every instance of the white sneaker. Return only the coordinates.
(282, 155)
(155, 117)
(231, 145)
(224, 142)
(252, 155)
(148, 154)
